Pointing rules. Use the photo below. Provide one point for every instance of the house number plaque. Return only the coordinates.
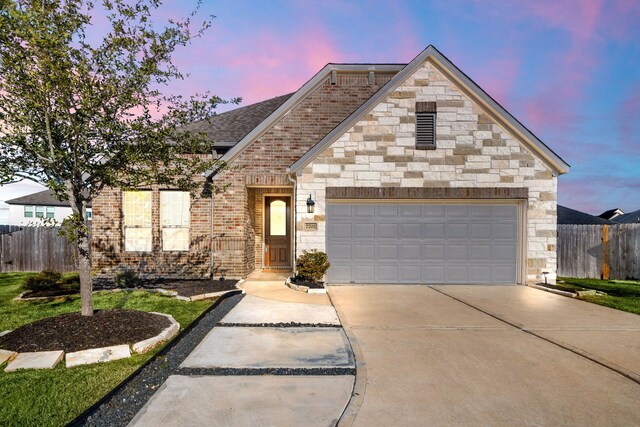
(310, 226)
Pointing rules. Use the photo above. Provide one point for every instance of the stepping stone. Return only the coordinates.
(255, 347)
(247, 401)
(5, 355)
(255, 311)
(35, 360)
(96, 355)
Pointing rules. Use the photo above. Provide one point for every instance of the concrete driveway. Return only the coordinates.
(488, 355)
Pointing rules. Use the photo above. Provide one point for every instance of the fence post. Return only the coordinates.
(605, 252)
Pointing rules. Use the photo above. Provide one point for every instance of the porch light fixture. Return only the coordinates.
(311, 205)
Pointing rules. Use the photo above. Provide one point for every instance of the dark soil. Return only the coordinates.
(50, 293)
(308, 284)
(73, 332)
(189, 288)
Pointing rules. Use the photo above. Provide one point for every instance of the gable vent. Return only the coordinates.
(426, 131)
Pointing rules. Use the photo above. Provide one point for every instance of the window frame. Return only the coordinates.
(28, 209)
(49, 210)
(126, 226)
(165, 229)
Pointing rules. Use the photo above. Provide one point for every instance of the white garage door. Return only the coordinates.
(422, 243)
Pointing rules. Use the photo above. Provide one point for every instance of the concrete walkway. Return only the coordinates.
(290, 360)
(463, 355)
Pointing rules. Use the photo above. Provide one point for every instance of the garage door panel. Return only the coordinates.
(340, 230)
(411, 231)
(422, 243)
(433, 273)
(386, 252)
(410, 252)
(433, 253)
(457, 231)
(456, 274)
(386, 273)
(386, 231)
(433, 231)
(364, 231)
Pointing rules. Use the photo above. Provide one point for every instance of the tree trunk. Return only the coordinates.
(84, 266)
(83, 243)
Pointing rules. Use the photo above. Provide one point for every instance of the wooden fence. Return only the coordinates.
(36, 249)
(599, 251)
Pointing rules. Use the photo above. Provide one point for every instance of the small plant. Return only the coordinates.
(127, 279)
(70, 282)
(43, 281)
(311, 266)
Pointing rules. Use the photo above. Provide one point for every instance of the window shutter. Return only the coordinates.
(426, 131)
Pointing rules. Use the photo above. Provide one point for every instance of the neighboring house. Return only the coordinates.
(34, 209)
(629, 218)
(402, 173)
(572, 216)
(611, 214)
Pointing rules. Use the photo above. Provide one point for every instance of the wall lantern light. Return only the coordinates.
(310, 205)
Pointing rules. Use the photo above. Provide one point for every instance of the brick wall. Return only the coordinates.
(473, 150)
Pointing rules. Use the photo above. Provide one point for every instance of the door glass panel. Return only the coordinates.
(278, 212)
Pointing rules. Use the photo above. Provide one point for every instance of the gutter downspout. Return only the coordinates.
(295, 217)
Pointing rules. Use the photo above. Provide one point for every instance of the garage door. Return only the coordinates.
(422, 243)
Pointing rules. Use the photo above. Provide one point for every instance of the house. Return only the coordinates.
(572, 216)
(629, 218)
(611, 214)
(402, 173)
(34, 209)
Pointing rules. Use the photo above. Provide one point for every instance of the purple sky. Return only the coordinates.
(569, 70)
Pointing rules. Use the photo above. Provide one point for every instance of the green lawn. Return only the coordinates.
(621, 294)
(55, 397)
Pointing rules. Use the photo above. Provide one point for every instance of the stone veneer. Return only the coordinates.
(473, 150)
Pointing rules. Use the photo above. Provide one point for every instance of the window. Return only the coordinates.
(278, 218)
(89, 213)
(50, 211)
(28, 211)
(39, 211)
(136, 207)
(174, 220)
(425, 125)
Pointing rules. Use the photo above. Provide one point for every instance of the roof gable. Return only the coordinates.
(474, 91)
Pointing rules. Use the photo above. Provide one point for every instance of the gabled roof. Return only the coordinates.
(41, 198)
(572, 216)
(227, 128)
(479, 95)
(629, 218)
(295, 99)
(611, 213)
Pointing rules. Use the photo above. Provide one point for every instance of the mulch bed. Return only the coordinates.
(50, 293)
(310, 285)
(189, 288)
(73, 332)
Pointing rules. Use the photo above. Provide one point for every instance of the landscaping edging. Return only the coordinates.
(553, 291)
(138, 390)
(302, 288)
(89, 356)
(164, 292)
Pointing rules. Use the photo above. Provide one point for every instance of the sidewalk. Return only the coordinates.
(280, 357)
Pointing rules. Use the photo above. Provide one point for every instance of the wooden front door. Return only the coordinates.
(277, 231)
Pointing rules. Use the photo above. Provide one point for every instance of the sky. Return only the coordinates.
(568, 70)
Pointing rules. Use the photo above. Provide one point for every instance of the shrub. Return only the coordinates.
(127, 279)
(43, 281)
(311, 266)
(70, 282)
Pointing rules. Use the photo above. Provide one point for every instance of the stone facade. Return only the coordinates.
(473, 150)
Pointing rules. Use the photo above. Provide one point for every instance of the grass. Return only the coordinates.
(621, 294)
(55, 397)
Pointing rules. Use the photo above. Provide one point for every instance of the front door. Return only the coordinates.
(277, 231)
